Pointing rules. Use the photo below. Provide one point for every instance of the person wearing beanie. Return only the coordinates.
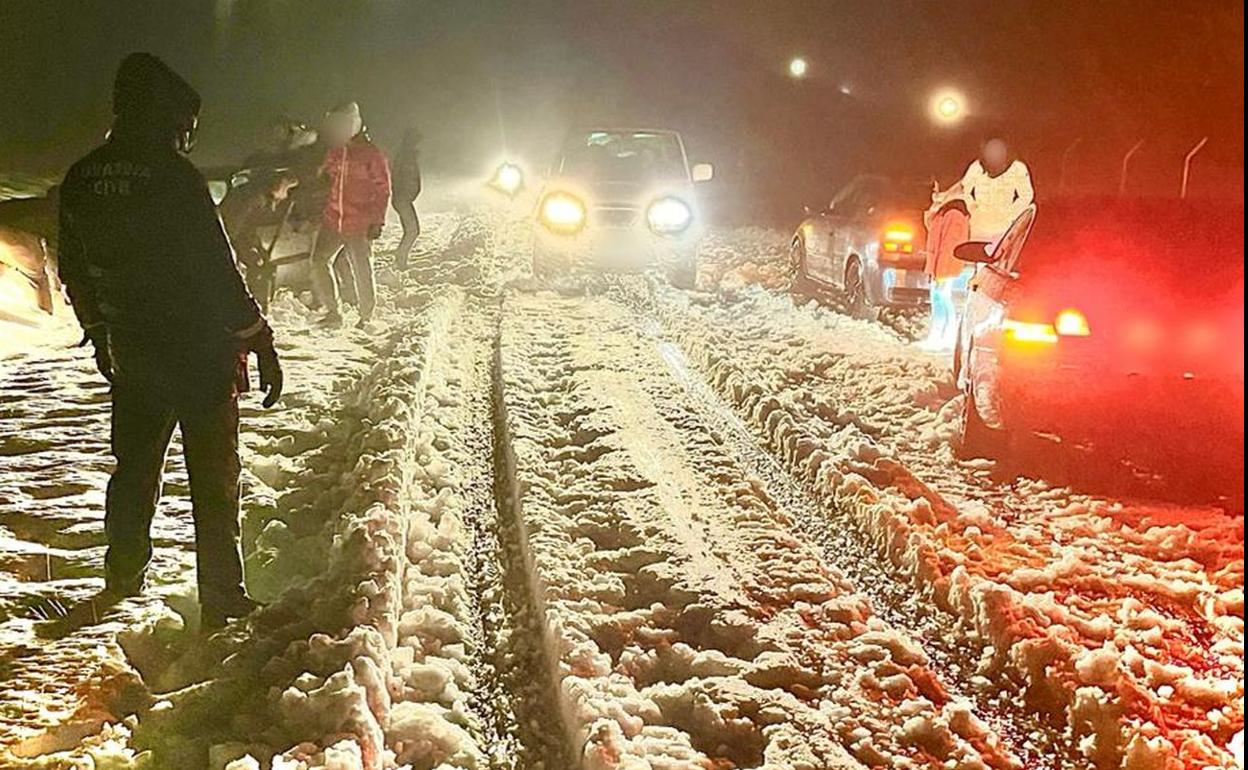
(358, 177)
(152, 279)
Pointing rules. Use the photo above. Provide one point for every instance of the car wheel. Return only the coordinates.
(683, 274)
(856, 294)
(975, 439)
(797, 281)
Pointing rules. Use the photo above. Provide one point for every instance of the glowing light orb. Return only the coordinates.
(798, 67)
(948, 107)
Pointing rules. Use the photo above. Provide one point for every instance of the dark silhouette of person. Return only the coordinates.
(152, 278)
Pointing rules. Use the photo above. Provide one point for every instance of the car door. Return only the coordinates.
(986, 309)
(838, 227)
(815, 239)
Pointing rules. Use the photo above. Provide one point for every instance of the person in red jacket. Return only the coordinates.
(358, 177)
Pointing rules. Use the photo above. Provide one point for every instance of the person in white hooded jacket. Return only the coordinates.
(994, 191)
(996, 188)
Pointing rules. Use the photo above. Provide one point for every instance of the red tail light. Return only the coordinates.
(1069, 323)
(1024, 331)
(1072, 323)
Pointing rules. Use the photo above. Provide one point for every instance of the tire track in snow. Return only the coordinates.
(509, 693)
(690, 627)
(1073, 598)
(846, 548)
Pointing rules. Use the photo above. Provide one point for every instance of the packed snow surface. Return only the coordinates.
(494, 529)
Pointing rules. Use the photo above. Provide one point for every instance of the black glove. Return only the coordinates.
(374, 232)
(98, 337)
(261, 343)
(270, 376)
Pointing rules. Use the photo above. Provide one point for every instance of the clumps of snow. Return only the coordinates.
(1093, 605)
(686, 625)
(732, 259)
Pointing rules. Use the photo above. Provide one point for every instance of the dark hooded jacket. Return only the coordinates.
(143, 254)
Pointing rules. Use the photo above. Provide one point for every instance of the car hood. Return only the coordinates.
(600, 192)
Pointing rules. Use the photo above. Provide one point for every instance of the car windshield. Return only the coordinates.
(632, 156)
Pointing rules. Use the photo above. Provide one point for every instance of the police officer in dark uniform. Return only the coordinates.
(152, 278)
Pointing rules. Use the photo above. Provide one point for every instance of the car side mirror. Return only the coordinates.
(703, 172)
(975, 251)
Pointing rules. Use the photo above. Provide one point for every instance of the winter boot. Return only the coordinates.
(214, 618)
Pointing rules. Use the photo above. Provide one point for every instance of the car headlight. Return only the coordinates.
(668, 216)
(509, 178)
(562, 213)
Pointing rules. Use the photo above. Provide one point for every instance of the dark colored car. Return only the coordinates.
(1119, 323)
(867, 245)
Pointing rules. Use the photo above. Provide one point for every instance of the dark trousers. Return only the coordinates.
(343, 263)
(411, 229)
(143, 424)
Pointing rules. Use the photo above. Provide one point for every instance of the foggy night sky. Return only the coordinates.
(479, 77)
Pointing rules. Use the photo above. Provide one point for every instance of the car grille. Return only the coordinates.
(616, 217)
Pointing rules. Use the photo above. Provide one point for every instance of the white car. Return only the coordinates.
(621, 200)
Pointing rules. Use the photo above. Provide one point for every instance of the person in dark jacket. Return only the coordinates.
(151, 276)
(406, 184)
(359, 191)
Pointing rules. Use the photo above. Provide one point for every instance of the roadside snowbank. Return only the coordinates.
(356, 667)
(353, 533)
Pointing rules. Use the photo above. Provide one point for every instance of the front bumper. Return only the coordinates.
(600, 247)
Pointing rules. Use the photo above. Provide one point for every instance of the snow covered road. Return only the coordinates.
(1124, 619)
(620, 527)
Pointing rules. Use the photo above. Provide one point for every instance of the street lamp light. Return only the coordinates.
(798, 67)
(948, 107)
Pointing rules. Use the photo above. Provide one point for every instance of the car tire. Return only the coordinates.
(683, 274)
(856, 302)
(798, 283)
(975, 439)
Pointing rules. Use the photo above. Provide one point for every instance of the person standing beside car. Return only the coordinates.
(407, 185)
(358, 180)
(151, 276)
(995, 189)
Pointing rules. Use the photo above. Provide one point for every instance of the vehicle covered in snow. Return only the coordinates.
(1119, 323)
(621, 200)
(867, 246)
